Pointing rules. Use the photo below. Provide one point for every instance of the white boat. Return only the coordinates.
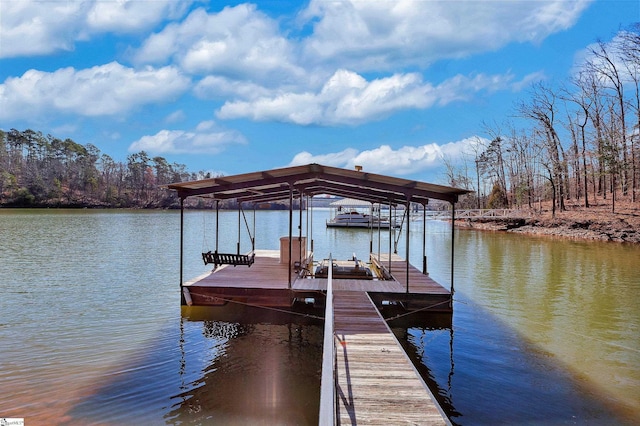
(355, 219)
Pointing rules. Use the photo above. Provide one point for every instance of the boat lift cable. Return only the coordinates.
(416, 311)
(397, 240)
(251, 237)
(251, 305)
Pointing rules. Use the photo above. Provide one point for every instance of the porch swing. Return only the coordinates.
(236, 259)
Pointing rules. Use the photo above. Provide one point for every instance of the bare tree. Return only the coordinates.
(584, 104)
(542, 111)
(605, 64)
(629, 50)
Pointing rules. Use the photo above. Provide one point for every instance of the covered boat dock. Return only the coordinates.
(366, 376)
(296, 250)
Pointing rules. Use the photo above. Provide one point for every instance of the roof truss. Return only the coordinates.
(315, 179)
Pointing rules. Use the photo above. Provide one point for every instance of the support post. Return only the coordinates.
(424, 239)
(310, 221)
(238, 244)
(217, 222)
(182, 299)
(290, 232)
(372, 216)
(453, 239)
(407, 213)
(300, 229)
(391, 237)
(380, 233)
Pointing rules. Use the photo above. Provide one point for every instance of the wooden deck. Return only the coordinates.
(268, 273)
(376, 383)
(266, 283)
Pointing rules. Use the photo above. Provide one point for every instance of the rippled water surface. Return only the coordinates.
(544, 331)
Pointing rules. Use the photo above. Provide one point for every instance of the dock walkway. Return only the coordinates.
(376, 383)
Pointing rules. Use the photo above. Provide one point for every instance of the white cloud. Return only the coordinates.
(337, 159)
(212, 87)
(347, 98)
(377, 35)
(175, 116)
(237, 43)
(32, 27)
(603, 57)
(132, 15)
(207, 138)
(384, 159)
(101, 90)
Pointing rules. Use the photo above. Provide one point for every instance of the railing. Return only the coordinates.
(328, 382)
(477, 214)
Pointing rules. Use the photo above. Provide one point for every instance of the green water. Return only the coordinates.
(576, 305)
(578, 301)
(545, 331)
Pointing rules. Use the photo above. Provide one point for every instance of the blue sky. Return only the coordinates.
(231, 87)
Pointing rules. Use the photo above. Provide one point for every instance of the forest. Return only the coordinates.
(575, 142)
(39, 170)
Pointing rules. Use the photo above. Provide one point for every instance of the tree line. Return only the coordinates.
(575, 141)
(578, 141)
(38, 170)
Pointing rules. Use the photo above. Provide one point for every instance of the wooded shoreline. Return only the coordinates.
(596, 223)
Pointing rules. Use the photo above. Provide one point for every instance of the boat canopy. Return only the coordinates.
(315, 179)
(350, 202)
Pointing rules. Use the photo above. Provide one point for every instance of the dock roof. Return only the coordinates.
(315, 179)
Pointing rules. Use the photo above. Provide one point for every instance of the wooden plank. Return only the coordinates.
(265, 272)
(376, 382)
(418, 282)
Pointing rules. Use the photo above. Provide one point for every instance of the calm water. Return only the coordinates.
(544, 331)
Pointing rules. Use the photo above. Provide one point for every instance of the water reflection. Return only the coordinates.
(214, 372)
(267, 374)
(494, 377)
(544, 331)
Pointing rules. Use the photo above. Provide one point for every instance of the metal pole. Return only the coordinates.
(217, 223)
(407, 243)
(371, 228)
(300, 231)
(310, 206)
(182, 300)
(391, 236)
(380, 235)
(238, 244)
(290, 230)
(424, 239)
(453, 231)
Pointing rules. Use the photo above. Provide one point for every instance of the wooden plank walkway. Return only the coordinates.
(376, 383)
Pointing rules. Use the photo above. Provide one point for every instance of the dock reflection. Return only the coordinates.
(268, 371)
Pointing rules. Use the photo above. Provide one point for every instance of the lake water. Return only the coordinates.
(91, 332)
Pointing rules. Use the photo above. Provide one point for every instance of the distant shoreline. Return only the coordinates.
(619, 229)
(593, 224)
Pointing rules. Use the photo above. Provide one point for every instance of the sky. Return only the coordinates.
(396, 86)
